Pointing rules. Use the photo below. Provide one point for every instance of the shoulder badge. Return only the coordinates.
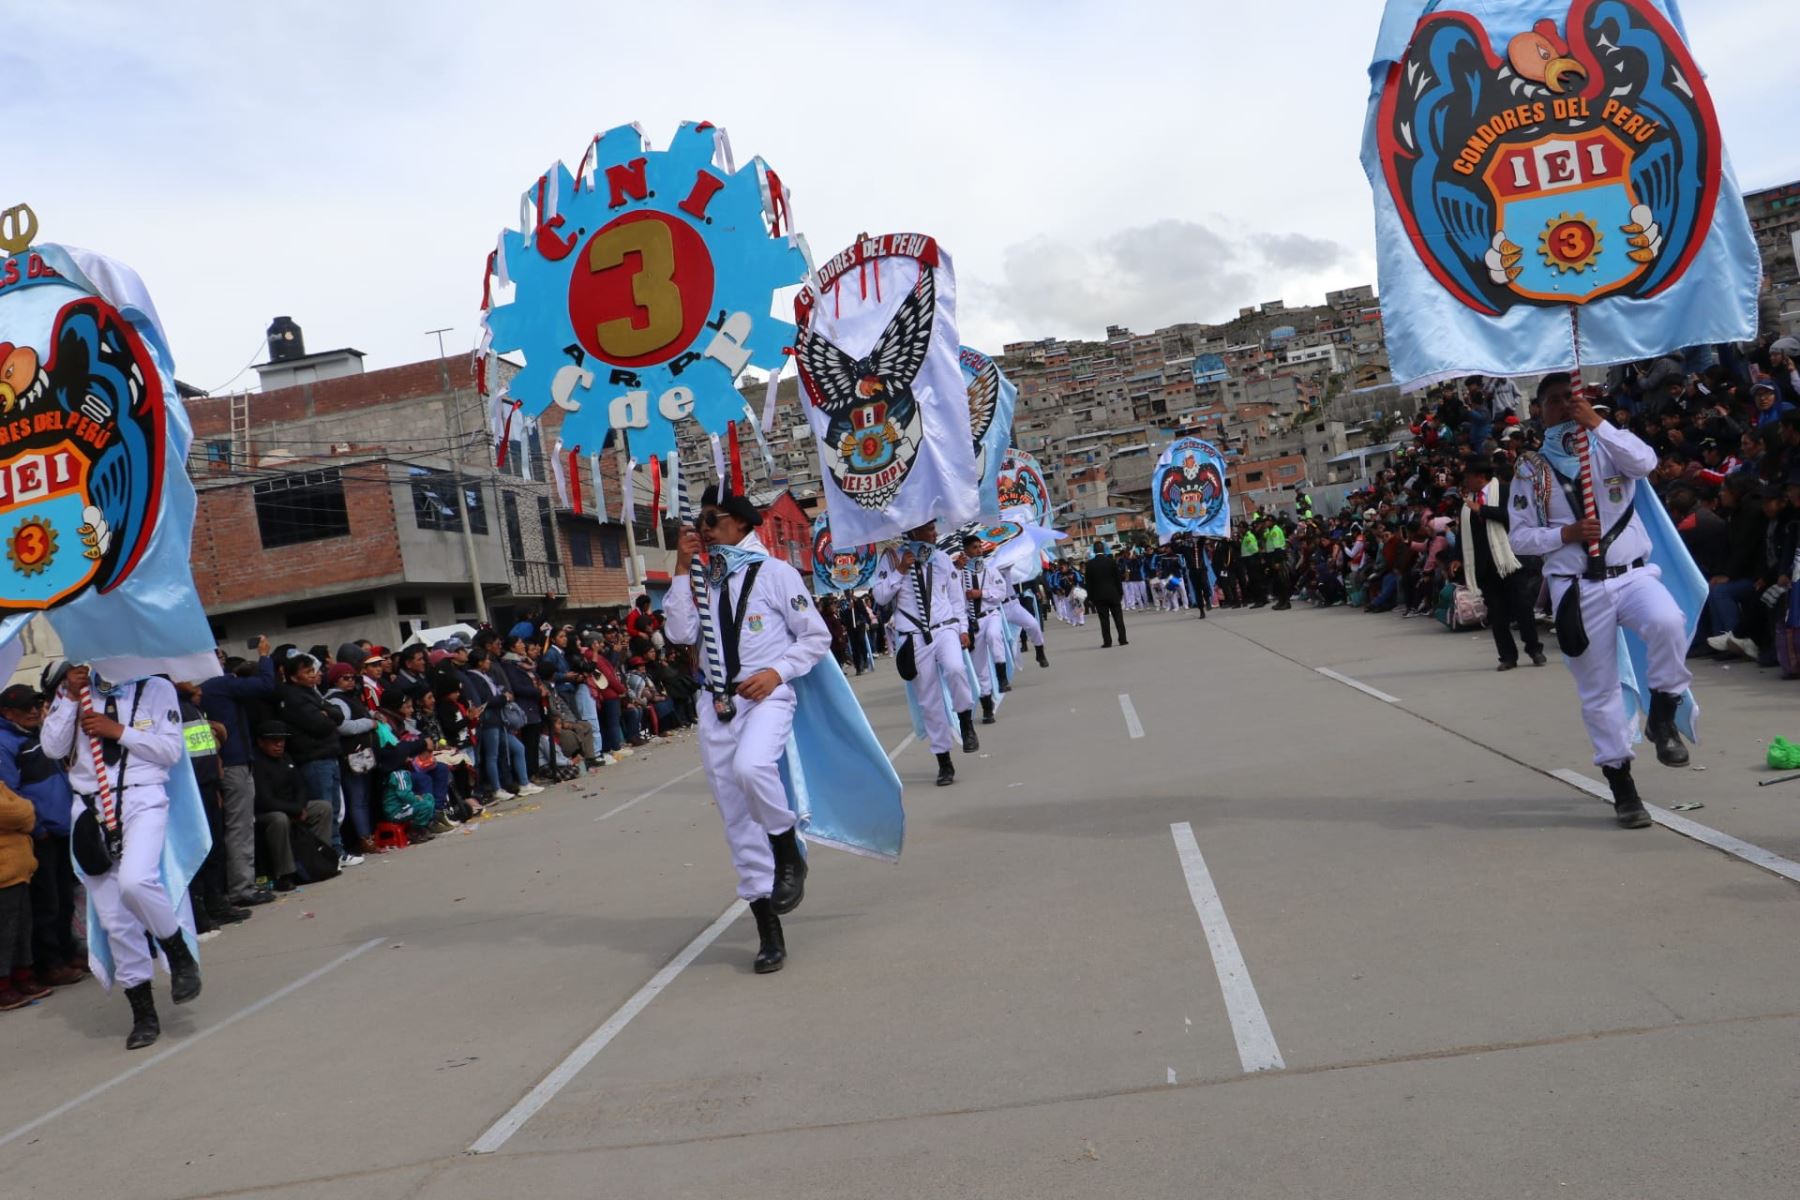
(800, 602)
(1520, 501)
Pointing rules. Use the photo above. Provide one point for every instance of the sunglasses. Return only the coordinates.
(711, 519)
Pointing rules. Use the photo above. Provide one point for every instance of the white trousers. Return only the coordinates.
(129, 899)
(1136, 595)
(1021, 618)
(1638, 601)
(941, 665)
(742, 758)
(1174, 595)
(989, 648)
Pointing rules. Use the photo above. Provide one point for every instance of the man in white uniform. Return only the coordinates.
(769, 633)
(931, 618)
(1594, 593)
(138, 728)
(986, 598)
(1029, 627)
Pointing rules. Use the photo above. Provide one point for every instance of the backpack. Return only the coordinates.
(1467, 610)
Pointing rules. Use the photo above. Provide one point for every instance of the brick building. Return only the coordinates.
(336, 506)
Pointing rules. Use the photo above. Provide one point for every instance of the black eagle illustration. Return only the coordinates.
(984, 398)
(874, 416)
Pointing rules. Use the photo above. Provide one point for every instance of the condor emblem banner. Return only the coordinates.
(641, 289)
(991, 399)
(1545, 172)
(878, 360)
(95, 505)
(835, 569)
(1021, 484)
(1188, 489)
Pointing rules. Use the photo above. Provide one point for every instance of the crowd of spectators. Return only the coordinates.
(308, 760)
(1419, 540)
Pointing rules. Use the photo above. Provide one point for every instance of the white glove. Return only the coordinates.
(1645, 234)
(1502, 259)
(95, 533)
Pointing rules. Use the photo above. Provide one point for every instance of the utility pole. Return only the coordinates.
(629, 512)
(456, 479)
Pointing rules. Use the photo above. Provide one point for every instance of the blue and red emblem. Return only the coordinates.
(81, 451)
(1552, 164)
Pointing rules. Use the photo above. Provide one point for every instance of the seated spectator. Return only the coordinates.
(394, 778)
(574, 735)
(1736, 581)
(649, 698)
(282, 803)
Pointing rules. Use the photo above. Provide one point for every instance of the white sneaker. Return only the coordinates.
(208, 936)
(503, 794)
(530, 789)
(624, 752)
(1720, 643)
(609, 760)
(348, 859)
(1743, 646)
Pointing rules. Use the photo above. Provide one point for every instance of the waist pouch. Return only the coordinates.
(1571, 630)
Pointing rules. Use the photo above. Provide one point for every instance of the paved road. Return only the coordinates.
(1294, 940)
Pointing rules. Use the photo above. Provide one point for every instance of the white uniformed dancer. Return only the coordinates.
(1030, 628)
(988, 598)
(935, 637)
(138, 726)
(769, 636)
(1615, 587)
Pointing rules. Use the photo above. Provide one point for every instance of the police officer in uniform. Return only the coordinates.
(931, 624)
(770, 633)
(138, 729)
(1594, 592)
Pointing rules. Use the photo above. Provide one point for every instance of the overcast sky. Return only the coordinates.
(1085, 162)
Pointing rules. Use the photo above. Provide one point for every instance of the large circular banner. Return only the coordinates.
(641, 288)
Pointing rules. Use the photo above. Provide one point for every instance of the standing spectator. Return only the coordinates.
(641, 625)
(27, 770)
(1106, 592)
(18, 863)
(207, 891)
(1736, 583)
(356, 737)
(229, 699)
(1491, 566)
(520, 674)
(413, 675)
(313, 742)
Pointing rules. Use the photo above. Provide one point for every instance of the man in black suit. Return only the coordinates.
(1106, 592)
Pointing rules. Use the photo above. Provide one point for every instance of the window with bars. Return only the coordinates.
(304, 507)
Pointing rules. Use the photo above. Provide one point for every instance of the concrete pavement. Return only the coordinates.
(1477, 986)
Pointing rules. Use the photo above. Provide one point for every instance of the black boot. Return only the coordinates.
(1627, 808)
(1022, 644)
(971, 743)
(987, 710)
(790, 871)
(946, 770)
(1043, 661)
(145, 1028)
(1660, 729)
(184, 972)
(773, 952)
(1000, 674)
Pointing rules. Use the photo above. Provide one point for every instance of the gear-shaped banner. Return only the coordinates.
(642, 288)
